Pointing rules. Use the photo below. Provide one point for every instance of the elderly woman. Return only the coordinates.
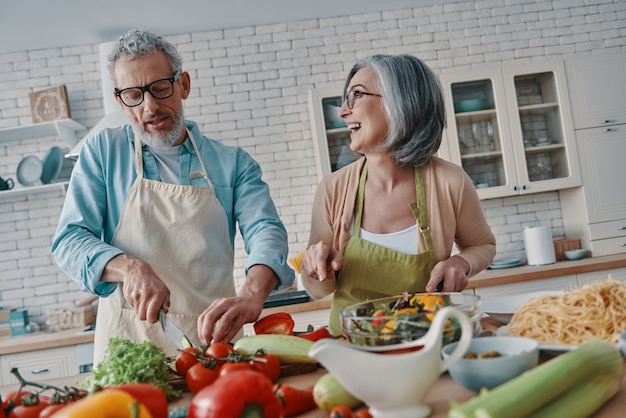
(387, 222)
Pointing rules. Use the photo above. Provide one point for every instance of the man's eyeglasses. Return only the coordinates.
(160, 89)
(355, 94)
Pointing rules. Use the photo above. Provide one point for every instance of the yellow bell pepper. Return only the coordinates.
(106, 404)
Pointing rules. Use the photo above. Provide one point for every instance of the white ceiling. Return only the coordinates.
(40, 24)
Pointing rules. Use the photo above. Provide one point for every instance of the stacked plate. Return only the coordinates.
(31, 169)
(505, 264)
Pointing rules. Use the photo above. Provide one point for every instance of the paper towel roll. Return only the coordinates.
(539, 246)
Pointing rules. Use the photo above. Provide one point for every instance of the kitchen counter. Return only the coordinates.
(45, 340)
(485, 278)
(438, 398)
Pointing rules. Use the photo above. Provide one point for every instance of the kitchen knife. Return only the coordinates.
(172, 330)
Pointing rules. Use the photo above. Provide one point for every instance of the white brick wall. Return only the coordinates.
(250, 87)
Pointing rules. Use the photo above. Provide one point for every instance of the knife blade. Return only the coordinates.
(172, 330)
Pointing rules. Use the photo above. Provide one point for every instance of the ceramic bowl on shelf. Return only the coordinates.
(469, 105)
(575, 254)
(399, 319)
(516, 355)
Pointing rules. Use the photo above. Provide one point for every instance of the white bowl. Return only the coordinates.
(575, 254)
(518, 354)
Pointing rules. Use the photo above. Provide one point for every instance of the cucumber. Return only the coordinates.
(328, 393)
(288, 348)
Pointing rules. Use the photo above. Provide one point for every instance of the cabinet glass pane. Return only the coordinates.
(478, 132)
(542, 128)
(337, 135)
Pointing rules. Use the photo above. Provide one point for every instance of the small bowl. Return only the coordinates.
(518, 354)
(363, 325)
(575, 254)
(470, 105)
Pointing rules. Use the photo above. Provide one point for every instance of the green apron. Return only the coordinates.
(371, 271)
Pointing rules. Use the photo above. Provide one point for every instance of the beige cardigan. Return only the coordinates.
(454, 214)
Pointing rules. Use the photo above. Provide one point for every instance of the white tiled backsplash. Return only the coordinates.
(250, 88)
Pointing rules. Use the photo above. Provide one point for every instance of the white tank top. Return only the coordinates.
(404, 241)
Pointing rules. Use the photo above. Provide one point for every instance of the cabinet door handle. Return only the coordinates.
(607, 130)
(515, 188)
(40, 371)
(607, 121)
(621, 228)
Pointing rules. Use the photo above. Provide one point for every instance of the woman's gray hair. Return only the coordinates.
(136, 43)
(413, 102)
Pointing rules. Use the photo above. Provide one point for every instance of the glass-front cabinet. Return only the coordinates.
(510, 128)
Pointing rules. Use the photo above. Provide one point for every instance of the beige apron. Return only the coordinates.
(182, 232)
(371, 271)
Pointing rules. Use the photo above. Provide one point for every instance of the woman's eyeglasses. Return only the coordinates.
(356, 94)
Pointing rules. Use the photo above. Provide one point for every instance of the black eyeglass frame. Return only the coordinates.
(352, 95)
(147, 88)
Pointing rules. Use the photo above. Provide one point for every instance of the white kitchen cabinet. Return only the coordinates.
(568, 282)
(40, 364)
(601, 81)
(519, 139)
(596, 213)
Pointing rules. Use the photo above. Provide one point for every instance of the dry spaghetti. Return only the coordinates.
(596, 310)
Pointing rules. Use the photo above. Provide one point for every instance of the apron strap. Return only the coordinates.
(139, 159)
(421, 215)
(356, 229)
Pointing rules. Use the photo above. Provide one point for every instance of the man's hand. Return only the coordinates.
(144, 291)
(321, 261)
(226, 316)
(452, 271)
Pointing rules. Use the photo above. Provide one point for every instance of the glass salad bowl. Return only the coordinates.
(407, 317)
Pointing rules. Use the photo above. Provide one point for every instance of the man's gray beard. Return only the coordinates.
(161, 139)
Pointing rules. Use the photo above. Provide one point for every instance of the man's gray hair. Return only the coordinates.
(136, 43)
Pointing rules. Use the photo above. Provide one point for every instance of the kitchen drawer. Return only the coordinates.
(608, 246)
(39, 365)
(611, 229)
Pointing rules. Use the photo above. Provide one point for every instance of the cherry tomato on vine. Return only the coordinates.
(229, 368)
(270, 367)
(185, 359)
(199, 376)
(219, 350)
(362, 412)
(51, 409)
(14, 398)
(341, 411)
(28, 411)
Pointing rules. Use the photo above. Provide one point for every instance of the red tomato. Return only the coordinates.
(185, 359)
(233, 368)
(219, 351)
(51, 409)
(341, 411)
(14, 398)
(362, 412)
(244, 393)
(199, 376)
(30, 411)
(270, 367)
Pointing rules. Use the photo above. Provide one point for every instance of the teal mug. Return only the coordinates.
(6, 184)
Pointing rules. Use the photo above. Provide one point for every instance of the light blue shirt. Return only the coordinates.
(104, 174)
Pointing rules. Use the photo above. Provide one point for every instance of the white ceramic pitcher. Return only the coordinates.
(394, 385)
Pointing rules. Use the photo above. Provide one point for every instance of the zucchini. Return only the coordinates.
(288, 348)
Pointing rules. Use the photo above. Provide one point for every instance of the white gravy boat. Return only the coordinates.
(394, 385)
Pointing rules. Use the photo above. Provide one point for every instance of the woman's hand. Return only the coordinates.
(452, 271)
(321, 261)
